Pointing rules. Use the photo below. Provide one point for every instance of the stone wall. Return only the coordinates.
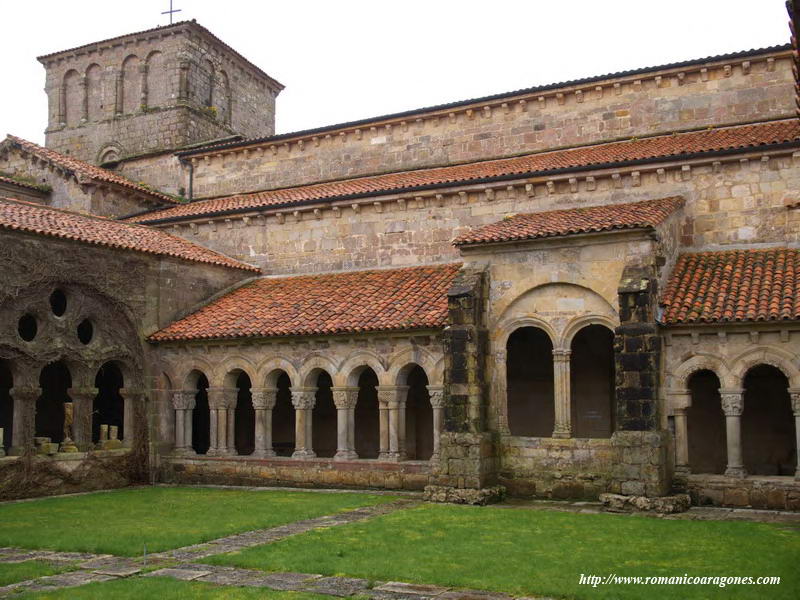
(23, 192)
(728, 202)
(151, 92)
(775, 493)
(162, 171)
(755, 88)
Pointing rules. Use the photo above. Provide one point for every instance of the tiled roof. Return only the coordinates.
(730, 56)
(44, 220)
(734, 285)
(334, 303)
(23, 184)
(741, 136)
(83, 169)
(634, 215)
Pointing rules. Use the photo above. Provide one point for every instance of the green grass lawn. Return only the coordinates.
(526, 552)
(122, 521)
(30, 569)
(165, 589)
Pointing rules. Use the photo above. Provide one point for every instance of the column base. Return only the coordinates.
(67, 446)
(215, 452)
(797, 474)
(346, 455)
(184, 452)
(738, 472)
(304, 454)
(682, 470)
(263, 453)
(561, 434)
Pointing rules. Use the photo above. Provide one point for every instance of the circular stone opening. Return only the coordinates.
(58, 303)
(85, 331)
(27, 327)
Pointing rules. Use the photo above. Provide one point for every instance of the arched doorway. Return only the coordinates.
(323, 417)
(705, 423)
(367, 416)
(592, 383)
(201, 415)
(245, 416)
(6, 403)
(108, 407)
(769, 443)
(529, 383)
(419, 416)
(283, 418)
(54, 381)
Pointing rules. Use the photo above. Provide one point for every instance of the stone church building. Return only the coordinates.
(585, 287)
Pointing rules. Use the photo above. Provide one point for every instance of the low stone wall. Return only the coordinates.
(778, 493)
(629, 462)
(317, 472)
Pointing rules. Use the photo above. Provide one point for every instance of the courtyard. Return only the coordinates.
(179, 542)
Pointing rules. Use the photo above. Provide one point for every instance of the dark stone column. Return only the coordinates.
(637, 351)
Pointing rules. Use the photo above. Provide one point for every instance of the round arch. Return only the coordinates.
(780, 359)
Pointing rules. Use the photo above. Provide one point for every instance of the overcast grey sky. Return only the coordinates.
(349, 59)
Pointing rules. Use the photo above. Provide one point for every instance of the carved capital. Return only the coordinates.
(679, 399)
(183, 399)
(795, 403)
(264, 398)
(561, 355)
(392, 395)
(436, 393)
(222, 398)
(25, 394)
(82, 394)
(732, 404)
(345, 397)
(132, 393)
(303, 399)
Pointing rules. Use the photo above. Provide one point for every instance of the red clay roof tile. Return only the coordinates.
(734, 285)
(84, 169)
(22, 184)
(742, 136)
(44, 220)
(634, 215)
(328, 304)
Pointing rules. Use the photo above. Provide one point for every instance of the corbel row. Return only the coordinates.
(540, 100)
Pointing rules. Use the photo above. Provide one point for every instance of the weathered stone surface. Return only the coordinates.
(661, 504)
(176, 573)
(481, 496)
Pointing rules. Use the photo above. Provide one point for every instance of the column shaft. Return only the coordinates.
(303, 400)
(733, 406)
(681, 441)
(561, 392)
(24, 419)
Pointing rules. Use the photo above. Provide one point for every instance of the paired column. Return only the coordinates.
(436, 394)
(681, 400)
(561, 389)
(130, 398)
(220, 403)
(82, 404)
(732, 406)
(230, 407)
(183, 401)
(345, 399)
(392, 404)
(795, 396)
(303, 400)
(263, 402)
(24, 418)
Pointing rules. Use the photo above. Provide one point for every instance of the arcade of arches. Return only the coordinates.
(362, 421)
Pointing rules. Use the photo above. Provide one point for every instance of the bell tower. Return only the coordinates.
(154, 91)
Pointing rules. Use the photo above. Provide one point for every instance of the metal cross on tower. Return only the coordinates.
(171, 11)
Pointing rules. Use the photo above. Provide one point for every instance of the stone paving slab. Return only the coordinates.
(289, 581)
(337, 586)
(177, 573)
(473, 595)
(24, 556)
(118, 572)
(415, 589)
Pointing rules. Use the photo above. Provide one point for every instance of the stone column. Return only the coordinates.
(264, 400)
(436, 393)
(680, 401)
(561, 393)
(345, 399)
(732, 406)
(385, 397)
(84, 87)
(303, 400)
(24, 418)
(218, 423)
(131, 397)
(393, 398)
(232, 395)
(795, 395)
(82, 404)
(183, 401)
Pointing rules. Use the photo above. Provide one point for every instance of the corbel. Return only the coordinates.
(661, 175)
(298, 216)
(260, 152)
(764, 162)
(530, 190)
(551, 186)
(658, 80)
(439, 200)
(462, 197)
(212, 225)
(378, 207)
(637, 85)
(573, 184)
(206, 159)
(746, 67)
(435, 120)
(579, 96)
(274, 149)
(343, 137)
(317, 214)
(246, 153)
(229, 223)
(373, 131)
(487, 111)
(404, 126)
(722, 337)
(716, 167)
(221, 157)
(246, 220)
(704, 74)
(784, 335)
(617, 89)
(286, 147)
(560, 98)
(419, 122)
(337, 212)
(489, 192)
(419, 201)
(470, 113)
(401, 203)
(194, 228)
(523, 105)
(506, 108)
(636, 178)
(591, 184)
(511, 192)
(388, 127)
(681, 77)
(356, 207)
(301, 145)
(686, 172)
(452, 117)
(695, 338)
(727, 70)
(743, 163)
(328, 137)
(770, 64)
(542, 101)
(754, 337)
(280, 217)
(315, 141)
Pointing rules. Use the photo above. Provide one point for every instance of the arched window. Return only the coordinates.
(201, 415)
(769, 442)
(73, 98)
(157, 80)
(94, 93)
(54, 381)
(592, 383)
(705, 424)
(419, 416)
(529, 383)
(245, 416)
(108, 407)
(131, 85)
(367, 416)
(323, 417)
(283, 418)
(222, 98)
